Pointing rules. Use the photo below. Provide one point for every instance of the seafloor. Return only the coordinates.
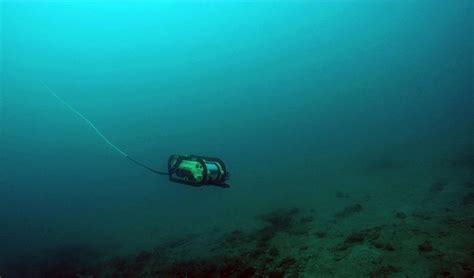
(420, 229)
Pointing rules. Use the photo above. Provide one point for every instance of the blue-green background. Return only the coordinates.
(295, 97)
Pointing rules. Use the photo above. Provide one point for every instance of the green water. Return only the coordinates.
(300, 99)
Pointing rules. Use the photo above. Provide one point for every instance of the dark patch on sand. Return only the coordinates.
(438, 186)
(360, 237)
(425, 247)
(463, 161)
(422, 214)
(280, 220)
(384, 271)
(320, 234)
(340, 194)
(400, 215)
(349, 211)
(384, 164)
(469, 184)
(216, 267)
(383, 246)
(468, 199)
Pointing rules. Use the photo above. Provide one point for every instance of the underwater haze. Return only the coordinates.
(347, 127)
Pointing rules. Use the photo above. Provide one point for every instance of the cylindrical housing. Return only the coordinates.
(197, 170)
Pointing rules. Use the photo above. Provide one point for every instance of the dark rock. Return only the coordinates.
(176, 243)
(421, 215)
(401, 215)
(257, 253)
(273, 252)
(265, 235)
(468, 199)
(118, 263)
(377, 261)
(143, 257)
(355, 238)
(299, 231)
(384, 271)
(443, 234)
(306, 219)
(349, 211)
(384, 164)
(212, 267)
(372, 234)
(384, 246)
(465, 266)
(280, 220)
(248, 272)
(351, 240)
(425, 247)
(283, 220)
(320, 234)
(275, 274)
(287, 262)
(379, 245)
(464, 161)
(443, 274)
(469, 274)
(236, 237)
(340, 194)
(451, 221)
(438, 186)
(359, 237)
(231, 266)
(198, 268)
(268, 260)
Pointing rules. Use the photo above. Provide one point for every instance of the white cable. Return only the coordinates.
(85, 119)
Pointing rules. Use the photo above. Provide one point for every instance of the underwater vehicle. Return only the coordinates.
(191, 170)
(197, 170)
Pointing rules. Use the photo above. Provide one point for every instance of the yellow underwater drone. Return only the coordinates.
(191, 170)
